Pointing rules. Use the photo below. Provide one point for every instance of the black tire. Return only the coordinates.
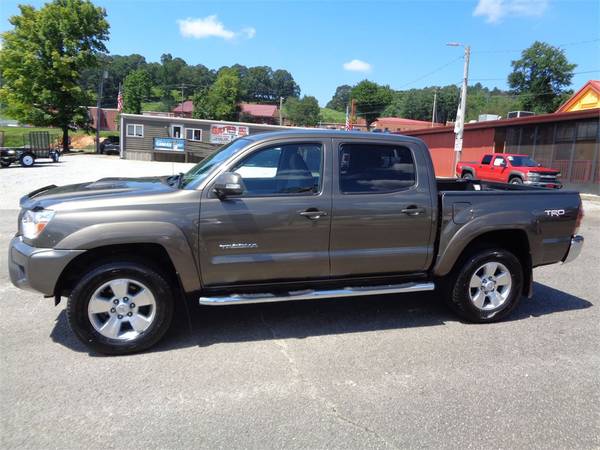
(467, 176)
(5, 163)
(516, 180)
(458, 292)
(27, 160)
(77, 307)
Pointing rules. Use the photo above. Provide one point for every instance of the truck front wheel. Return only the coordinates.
(487, 286)
(119, 308)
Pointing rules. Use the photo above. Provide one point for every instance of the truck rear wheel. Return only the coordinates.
(487, 286)
(119, 308)
(467, 176)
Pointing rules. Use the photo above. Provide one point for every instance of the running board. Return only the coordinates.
(310, 294)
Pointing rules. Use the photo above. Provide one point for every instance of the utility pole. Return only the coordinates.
(352, 113)
(280, 107)
(434, 108)
(103, 77)
(459, 126)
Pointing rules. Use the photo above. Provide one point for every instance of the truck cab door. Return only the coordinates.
(278, 228)
(498, 171)
(383, 208)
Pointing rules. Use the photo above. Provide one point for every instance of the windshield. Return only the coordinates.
(522, 161)
(199, 172)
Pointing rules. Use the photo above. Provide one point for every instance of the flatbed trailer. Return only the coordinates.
(38, 144)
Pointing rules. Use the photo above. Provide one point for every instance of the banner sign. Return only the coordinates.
(222, 134)
(170, 144)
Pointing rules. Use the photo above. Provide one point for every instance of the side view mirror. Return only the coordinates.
(227, 184)
(504, 164)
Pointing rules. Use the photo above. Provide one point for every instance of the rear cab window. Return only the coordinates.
(375, 168)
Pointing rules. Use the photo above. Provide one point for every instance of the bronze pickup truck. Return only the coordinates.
(291, 215)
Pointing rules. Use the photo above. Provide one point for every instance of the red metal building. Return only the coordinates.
(568, 141)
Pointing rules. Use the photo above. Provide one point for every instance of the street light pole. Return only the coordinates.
(459, 126)
(98, 105)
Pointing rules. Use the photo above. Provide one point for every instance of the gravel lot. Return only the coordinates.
(379, 372)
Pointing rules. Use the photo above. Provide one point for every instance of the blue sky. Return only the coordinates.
(328, 43)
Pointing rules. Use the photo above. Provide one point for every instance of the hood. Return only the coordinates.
(105, 187)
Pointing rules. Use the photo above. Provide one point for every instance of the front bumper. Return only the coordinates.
(574, 248)
(544, 184)
(37, 269)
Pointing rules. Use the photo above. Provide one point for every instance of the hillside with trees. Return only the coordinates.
(50, 70)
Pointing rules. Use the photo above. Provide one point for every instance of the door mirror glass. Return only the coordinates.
(228, 184)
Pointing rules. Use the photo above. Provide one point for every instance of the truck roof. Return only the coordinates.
(332, 134)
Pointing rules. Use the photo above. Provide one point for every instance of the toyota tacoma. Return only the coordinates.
(289, 215)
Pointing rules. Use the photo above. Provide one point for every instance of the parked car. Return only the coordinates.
(510, 168)
(8, 156)
(110, 145)
(316, 214)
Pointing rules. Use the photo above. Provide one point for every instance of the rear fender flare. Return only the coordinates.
(451, 250)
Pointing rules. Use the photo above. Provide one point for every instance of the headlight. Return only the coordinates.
(558, 175)
(34, 222)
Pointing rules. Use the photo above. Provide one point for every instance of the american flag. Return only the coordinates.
(120, 100)
(348, 124)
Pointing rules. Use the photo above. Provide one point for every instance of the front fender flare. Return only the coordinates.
(167, 235)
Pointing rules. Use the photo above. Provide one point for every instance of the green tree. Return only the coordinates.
(371, 99)
(340, 99)
(303, 112)
(41, 60)
(136, 89)
(283, 85)
(220, 101)
(540, 77)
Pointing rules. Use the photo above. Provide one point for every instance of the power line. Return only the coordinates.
(502, 79)
(567, 44)
(431, 73)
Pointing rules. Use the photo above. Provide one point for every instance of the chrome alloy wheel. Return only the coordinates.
(122, 309)
(490, 286)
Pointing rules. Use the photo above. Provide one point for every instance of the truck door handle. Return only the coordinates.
(313, 213)
(413, 211)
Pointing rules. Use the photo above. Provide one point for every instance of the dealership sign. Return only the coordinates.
(222, 134)
(170, 144)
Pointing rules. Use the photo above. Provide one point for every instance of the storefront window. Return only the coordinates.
(544, 144)
(527, 137)
(586, 147)
(512, 140)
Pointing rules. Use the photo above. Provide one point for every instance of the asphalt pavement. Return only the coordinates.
(374, 372)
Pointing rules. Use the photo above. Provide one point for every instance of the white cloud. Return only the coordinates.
(356, 65)
(495, 10)
(210, 26)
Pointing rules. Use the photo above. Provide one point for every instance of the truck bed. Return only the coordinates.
(461, 184)
(545, 217)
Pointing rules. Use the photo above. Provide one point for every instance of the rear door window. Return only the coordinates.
(486, 159)
(375, 168)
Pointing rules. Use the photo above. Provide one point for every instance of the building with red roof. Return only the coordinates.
(259, 113)
(588, 97)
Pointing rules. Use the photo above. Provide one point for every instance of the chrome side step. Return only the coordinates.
(310, 294)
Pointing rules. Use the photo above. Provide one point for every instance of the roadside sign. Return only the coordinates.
(169, 144)
(222, 134)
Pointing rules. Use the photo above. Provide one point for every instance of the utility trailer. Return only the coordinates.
(37, 144)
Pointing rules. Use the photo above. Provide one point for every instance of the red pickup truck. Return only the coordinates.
(510, 168)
